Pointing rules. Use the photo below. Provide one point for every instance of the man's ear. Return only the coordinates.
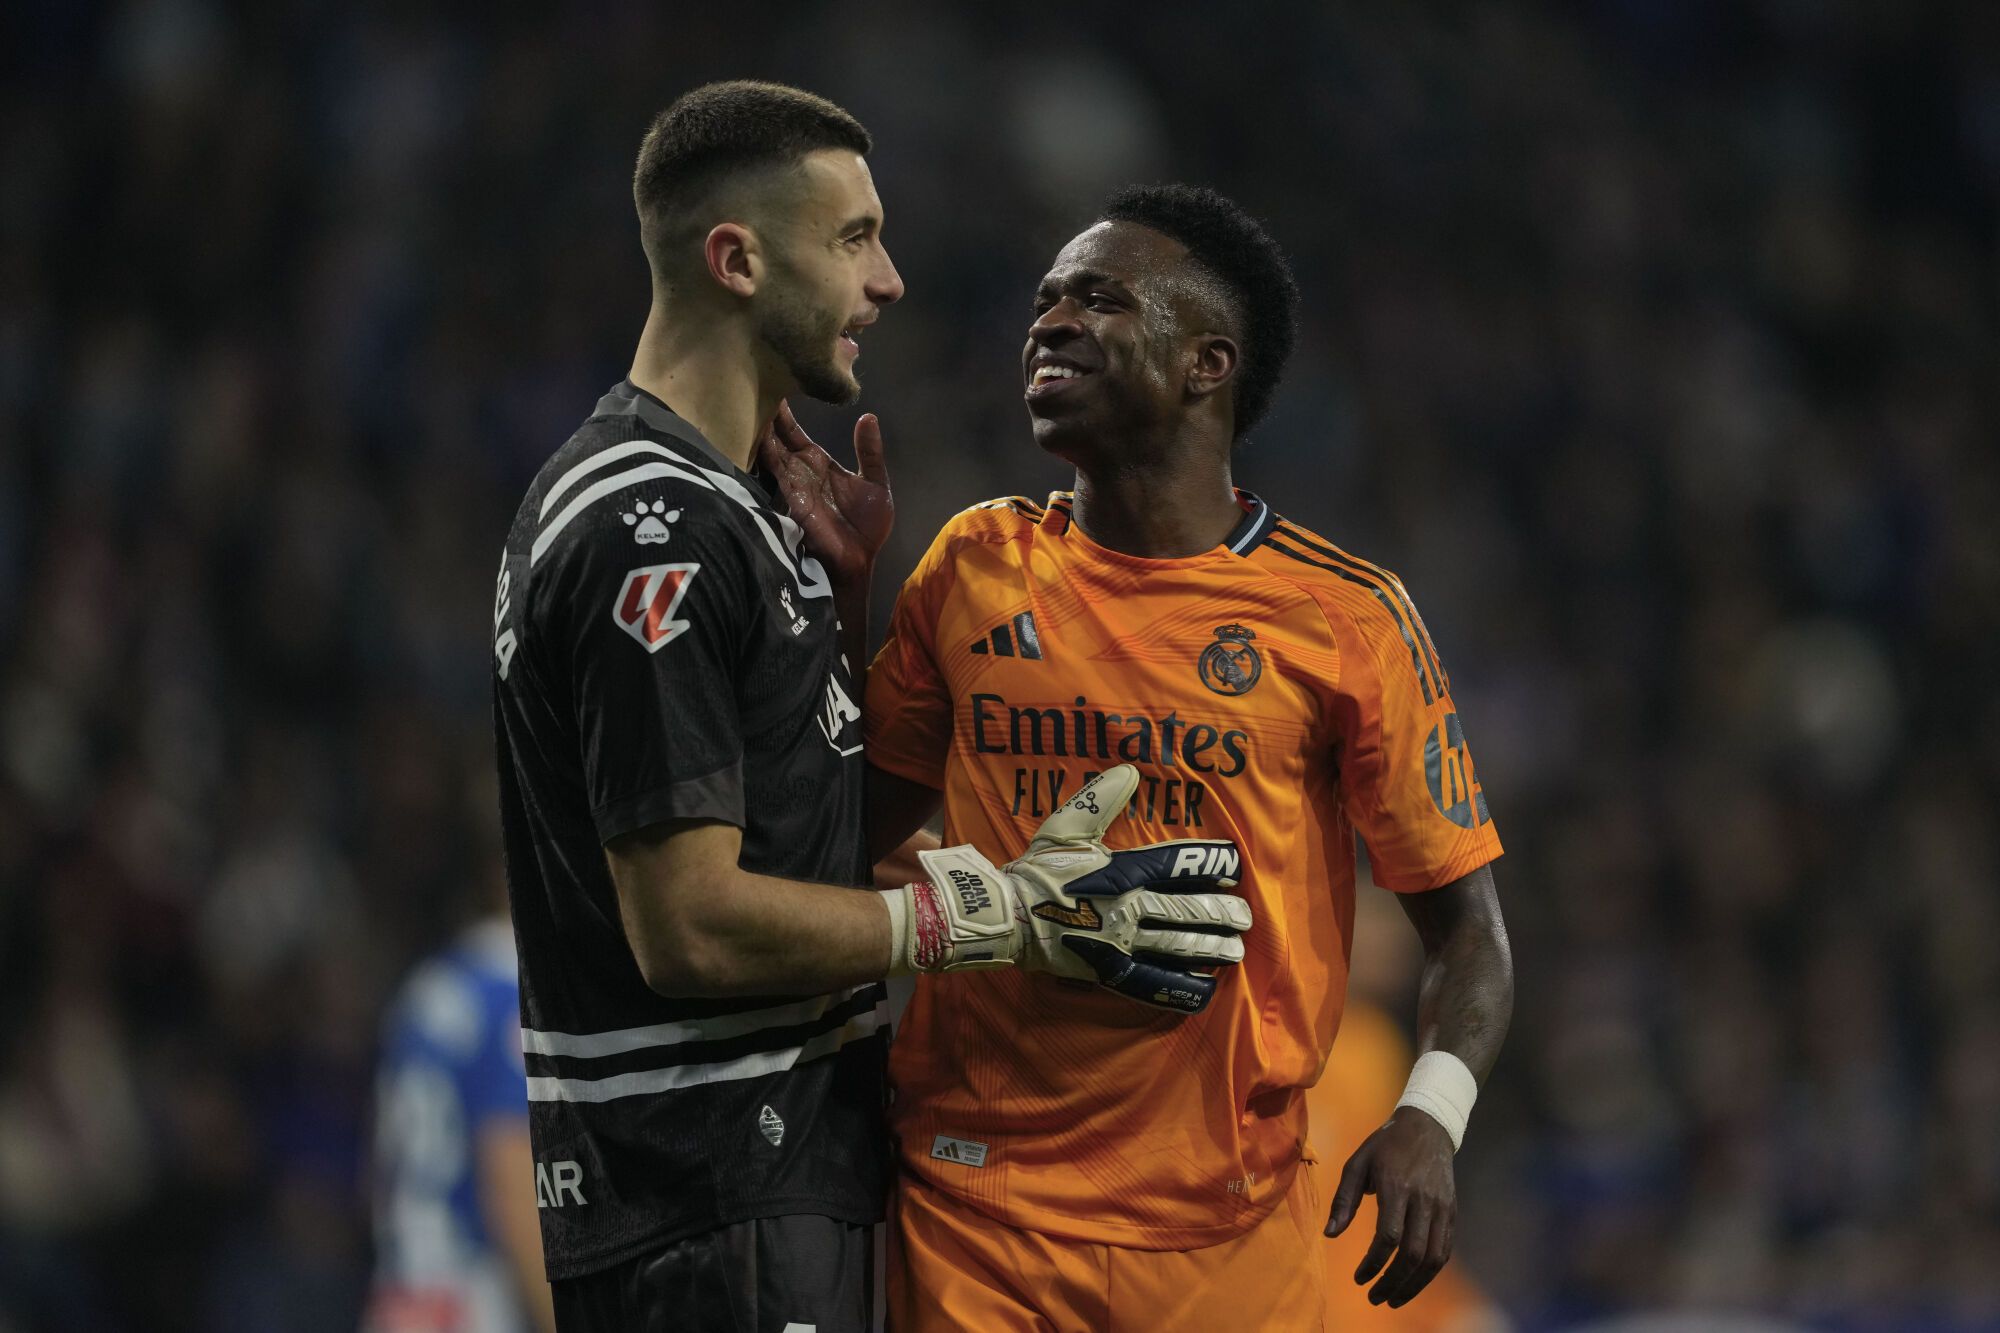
(735, 259)
(1215, 361)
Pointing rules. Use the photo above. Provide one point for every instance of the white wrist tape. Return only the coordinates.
(1444, 1089)
(898, 903)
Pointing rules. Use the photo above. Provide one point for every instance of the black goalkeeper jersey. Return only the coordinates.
(663, 649)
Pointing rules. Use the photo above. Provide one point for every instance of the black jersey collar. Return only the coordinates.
(626, 399)
(1258, 521)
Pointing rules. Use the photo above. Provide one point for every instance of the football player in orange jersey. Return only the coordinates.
(1070, 1159)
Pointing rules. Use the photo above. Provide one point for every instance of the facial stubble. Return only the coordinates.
(807, 340)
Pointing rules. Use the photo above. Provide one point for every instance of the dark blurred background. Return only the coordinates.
(1652, 341)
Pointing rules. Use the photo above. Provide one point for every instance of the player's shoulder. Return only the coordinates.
(485, 951)
(612, 476)
(1002, 518)
(1342, 582)
(1366, 596)
(442, 1009)
(457, 994)
(630, 479)
(989, 526)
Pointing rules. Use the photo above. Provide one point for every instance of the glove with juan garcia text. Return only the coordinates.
(1147, 922)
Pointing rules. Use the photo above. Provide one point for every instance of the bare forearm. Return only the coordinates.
(1465, 1005)
(699, 924)
(777, 935)
(1466, 998)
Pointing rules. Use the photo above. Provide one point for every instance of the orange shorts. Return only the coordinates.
(953, 1267)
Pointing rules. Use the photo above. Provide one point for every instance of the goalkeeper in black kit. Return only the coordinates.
(703, 1018)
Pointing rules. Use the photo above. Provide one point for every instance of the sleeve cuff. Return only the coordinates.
(717, 795)
(1423, 879)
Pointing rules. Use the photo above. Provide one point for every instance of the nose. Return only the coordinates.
(1056, 323)
(885, 286)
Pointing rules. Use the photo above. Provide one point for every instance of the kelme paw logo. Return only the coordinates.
(649, 522)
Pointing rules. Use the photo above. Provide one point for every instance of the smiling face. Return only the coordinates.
(829, 275)
(1122, 323)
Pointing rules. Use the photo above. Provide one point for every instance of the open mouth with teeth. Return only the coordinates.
(850, 337)
(1050, 377)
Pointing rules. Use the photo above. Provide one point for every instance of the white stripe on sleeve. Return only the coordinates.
(600, 460)
(598, 490)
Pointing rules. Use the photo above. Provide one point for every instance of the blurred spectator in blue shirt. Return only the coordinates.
(458, 1246)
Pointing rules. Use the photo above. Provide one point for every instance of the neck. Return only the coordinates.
(1161, 509)
(708, 371)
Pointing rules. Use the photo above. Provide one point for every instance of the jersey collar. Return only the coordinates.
(626, 399)
(1258, 522)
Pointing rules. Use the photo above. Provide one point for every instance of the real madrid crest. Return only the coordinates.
(1230, 665)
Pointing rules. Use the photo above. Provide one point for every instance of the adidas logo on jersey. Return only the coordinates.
(1015, 638)
(963, 1151)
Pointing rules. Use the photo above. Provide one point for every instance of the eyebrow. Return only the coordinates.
(861, 222)
(1082, 277)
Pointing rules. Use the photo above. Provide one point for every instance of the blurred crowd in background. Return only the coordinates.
(1653, 342)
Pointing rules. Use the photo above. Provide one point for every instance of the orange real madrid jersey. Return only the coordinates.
(1273, 690)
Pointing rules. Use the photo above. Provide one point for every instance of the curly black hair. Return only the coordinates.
(1234, 248)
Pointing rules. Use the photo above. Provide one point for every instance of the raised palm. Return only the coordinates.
(846, 515)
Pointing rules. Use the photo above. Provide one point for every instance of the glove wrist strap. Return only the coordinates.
(959, 917)
(901, 908)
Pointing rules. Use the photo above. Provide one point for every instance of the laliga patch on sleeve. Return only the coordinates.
(646, 603)
(963, 1151)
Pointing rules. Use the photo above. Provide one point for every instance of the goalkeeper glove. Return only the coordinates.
(1141, 922)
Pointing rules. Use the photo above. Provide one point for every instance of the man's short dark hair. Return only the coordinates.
(1236, 250)
(716, 133)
